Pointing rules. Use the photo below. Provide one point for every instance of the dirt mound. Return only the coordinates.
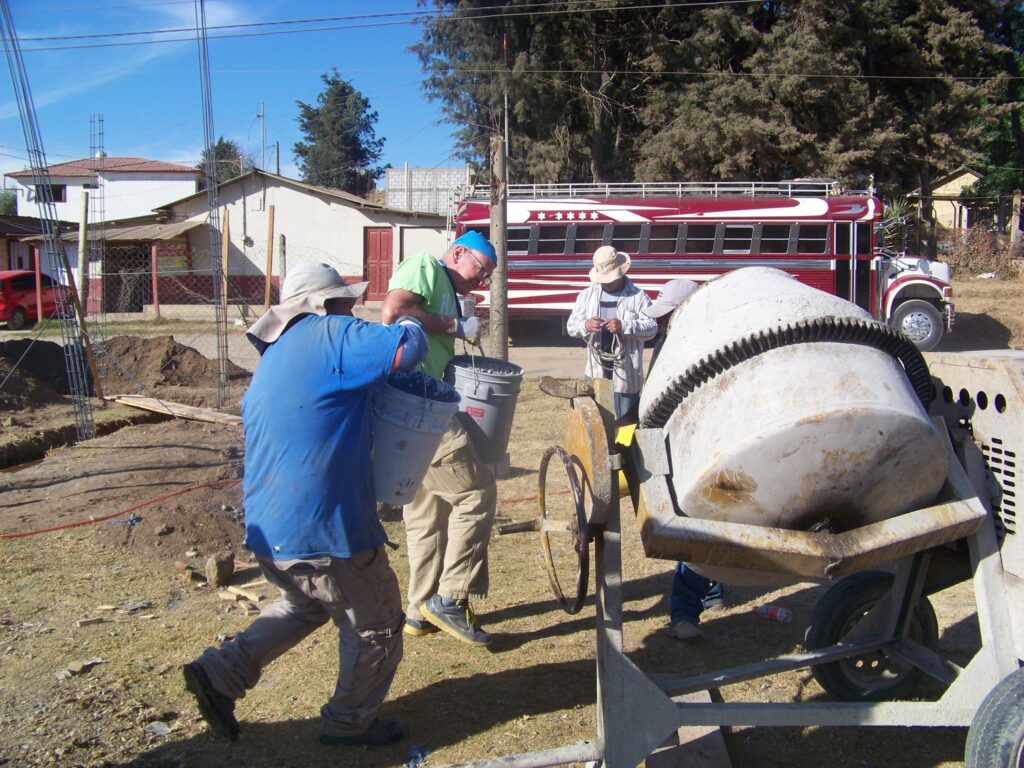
(160, 361)
(23, 391)
(44, 361)
(204, 521)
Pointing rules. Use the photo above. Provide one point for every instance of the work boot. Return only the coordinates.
(418, 627)
(380, 733)
(456, 620)
(685, 630)
(217, 709)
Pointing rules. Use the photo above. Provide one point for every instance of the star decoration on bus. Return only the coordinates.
(568, 215)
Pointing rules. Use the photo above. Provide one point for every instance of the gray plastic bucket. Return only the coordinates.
(489, 389)
(410, 415)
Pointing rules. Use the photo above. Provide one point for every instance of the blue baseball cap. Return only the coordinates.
(477, 242)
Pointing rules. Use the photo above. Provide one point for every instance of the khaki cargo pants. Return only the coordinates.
(361, 596)
(448, 524)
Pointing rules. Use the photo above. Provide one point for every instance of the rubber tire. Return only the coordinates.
(933, 316)
(16, 321)
(996, 737)
(838, 611)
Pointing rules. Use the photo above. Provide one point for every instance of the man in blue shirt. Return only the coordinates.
(310, 506)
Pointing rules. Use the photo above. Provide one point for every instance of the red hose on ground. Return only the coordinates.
(129, 510)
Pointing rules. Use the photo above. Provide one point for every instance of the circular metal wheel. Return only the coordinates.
(563, 531)
(871, 676)
(996, 737)
(920, 321)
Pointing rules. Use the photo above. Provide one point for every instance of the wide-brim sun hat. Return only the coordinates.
(305, 291)
(609, 265)
(673, 293)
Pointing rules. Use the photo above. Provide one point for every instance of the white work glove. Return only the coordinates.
(468, 328)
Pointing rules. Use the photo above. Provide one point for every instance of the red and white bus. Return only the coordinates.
(824, 237)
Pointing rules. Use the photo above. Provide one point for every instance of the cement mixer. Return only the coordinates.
(785, 435)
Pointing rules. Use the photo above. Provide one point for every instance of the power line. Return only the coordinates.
(552, 8)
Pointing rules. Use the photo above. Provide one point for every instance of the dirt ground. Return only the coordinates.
(96, 619)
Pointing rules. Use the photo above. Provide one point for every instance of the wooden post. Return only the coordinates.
(499, 279)
(225, 244)
(83, 251)
(270, 257)
(155, 279)
(39, 284)
(80, 315)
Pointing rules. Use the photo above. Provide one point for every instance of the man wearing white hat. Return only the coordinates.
(609, 314)
(310, 511)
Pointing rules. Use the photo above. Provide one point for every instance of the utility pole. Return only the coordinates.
(262, 115)
(499, 280)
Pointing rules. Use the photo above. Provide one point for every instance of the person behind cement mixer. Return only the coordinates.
(691, 593)
(310, 514)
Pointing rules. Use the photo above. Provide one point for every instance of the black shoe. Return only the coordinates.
(217, 709)
(380, 733)
(459, 621)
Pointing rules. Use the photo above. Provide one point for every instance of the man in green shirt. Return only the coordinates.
(448, 523)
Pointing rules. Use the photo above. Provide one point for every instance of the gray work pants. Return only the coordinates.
(361, 596)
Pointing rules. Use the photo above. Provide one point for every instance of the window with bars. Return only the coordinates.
(663, 238)
(812, 238)
(700, 238)
(589, 237)
(626, 237)
(775, 238)
(551, 239)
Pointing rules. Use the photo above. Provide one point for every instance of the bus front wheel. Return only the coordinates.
(920, 321)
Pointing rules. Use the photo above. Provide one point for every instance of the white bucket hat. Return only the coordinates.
(609, 265)
(306, 290)
(673, 293)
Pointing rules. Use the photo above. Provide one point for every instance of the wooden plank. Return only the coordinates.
(179, 410)
(699, 746)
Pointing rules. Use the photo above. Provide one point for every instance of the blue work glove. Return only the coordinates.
(468, 328)
(415, 343)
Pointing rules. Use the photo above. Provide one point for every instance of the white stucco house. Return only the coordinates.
(363, 240)
(131, 186)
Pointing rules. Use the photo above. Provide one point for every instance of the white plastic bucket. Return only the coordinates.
(410, 414)
(489, 389)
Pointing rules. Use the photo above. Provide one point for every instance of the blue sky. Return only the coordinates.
(149, 94)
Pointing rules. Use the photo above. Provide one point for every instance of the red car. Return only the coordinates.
(18, 297)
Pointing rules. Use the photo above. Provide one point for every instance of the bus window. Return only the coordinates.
(663, 238)
(589, 237)
(775, 238)
(863, 239)
(737, 238)
(626, 237)
(813, 238)
(700, 238)
(518, 239)
(551, 240)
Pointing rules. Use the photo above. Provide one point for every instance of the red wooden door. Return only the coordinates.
(378, 262)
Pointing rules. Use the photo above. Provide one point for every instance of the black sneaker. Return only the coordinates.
(380, 733)
(459, 621)
(217, 709)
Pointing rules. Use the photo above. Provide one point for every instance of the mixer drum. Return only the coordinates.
(785, 406)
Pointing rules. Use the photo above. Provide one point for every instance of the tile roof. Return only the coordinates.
(89, 166)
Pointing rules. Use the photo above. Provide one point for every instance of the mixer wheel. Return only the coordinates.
(996, 737)
(870, 676)
(563, 530)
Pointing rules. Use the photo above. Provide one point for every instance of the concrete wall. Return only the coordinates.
(124, 195)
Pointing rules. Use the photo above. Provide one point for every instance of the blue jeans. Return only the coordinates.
(627, 406)
(691, 594)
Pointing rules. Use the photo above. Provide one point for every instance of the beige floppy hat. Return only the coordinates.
(609, 265)
(305, 291)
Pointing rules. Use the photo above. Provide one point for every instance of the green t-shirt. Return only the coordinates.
(425, 276)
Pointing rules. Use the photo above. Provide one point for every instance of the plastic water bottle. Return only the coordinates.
(774, 613)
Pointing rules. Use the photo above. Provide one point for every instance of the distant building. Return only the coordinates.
(132, 186)
(949, 210)
(427, 190)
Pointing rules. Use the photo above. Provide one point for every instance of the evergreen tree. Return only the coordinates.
(340, 144)
(229, 160)
(8, 203)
